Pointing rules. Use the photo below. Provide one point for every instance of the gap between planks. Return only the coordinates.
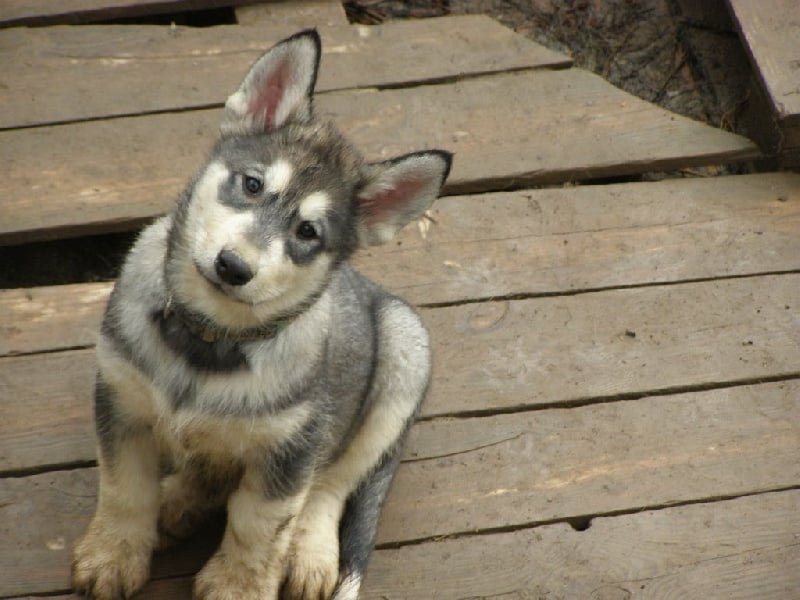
(525, 244)
(732, 550)
(584, 128)
(551, 352)
(157, 70)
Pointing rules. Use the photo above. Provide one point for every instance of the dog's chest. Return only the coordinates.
(227, 438)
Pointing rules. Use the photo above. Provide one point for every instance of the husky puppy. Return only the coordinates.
(244, 364)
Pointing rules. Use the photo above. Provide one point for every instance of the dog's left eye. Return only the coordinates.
(307, 231)
(252, 185)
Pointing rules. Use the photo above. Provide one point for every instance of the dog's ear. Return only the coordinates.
(277, 89)
(397, 192)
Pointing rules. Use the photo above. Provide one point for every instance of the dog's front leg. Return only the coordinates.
(112, 559)
(249, 563)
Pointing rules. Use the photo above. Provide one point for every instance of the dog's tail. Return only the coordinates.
(359, 525)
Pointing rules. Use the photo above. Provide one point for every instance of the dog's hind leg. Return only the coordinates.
(359, 526)
(363, 471)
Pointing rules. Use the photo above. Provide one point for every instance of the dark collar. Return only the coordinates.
(209, 332)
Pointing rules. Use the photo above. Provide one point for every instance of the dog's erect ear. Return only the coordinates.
(277, 89)
(397, 192)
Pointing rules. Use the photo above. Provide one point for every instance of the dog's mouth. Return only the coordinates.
(212, 280)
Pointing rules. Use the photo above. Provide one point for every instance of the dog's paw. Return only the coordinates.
(225, 579)
(106, 567)
(312, 570)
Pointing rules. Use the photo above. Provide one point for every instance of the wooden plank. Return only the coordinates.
(473, 474)
(57, 428)
(31, 319)
(589, 237)
(36, 557)
(499, 356)
(735, 550)
(47, 12)
(293, 13)
(748, 550)
(771, 32)
(502, 355)
(466, 475)
(515, 243)
(506, 130)
(64, 74)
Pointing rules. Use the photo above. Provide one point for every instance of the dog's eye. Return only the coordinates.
(251, 185)
(307, 231)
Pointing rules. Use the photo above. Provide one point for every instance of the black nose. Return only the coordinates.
(232, 269)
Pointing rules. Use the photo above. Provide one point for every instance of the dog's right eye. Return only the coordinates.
(251, 185)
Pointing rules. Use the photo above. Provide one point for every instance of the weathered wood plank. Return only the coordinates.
(473, 474)
(735, 550)
(293, 13)
(771, 32)
(46, 12)
(46, 420)
(63, 74)
(747, 550)
(589, 237)
(496, 356)
(526, 242)
(48, 318)
(506, 130)
(499, 356)
(467, 475)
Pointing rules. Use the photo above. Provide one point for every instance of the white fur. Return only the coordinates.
(278, 284)
(314, 206)
(249, 562)
(302, 73)
(238, 116)
(278, 175)
(348, 588)
(214, 226)
(426, 170)
(313, 566)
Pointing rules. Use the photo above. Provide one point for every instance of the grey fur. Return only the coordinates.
(288, 385)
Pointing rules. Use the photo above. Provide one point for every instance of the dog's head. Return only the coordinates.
(284, 198)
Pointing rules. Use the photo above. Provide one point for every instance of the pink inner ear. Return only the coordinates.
(271, 93)
(382, 205)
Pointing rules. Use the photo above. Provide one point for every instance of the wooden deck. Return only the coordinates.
(616, 405)
(770, 30)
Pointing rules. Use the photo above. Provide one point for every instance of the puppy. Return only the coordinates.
(244, 364)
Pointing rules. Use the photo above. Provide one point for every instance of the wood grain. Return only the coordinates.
(293, 14)
(733, 550)
(771, 32)
(515, 243)
(47, 421)
(499, 356)
(506, 130)
(739, 549)
(51, 317)
(63, 74)
(467, 475)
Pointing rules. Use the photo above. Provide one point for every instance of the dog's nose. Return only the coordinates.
(232, 269)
